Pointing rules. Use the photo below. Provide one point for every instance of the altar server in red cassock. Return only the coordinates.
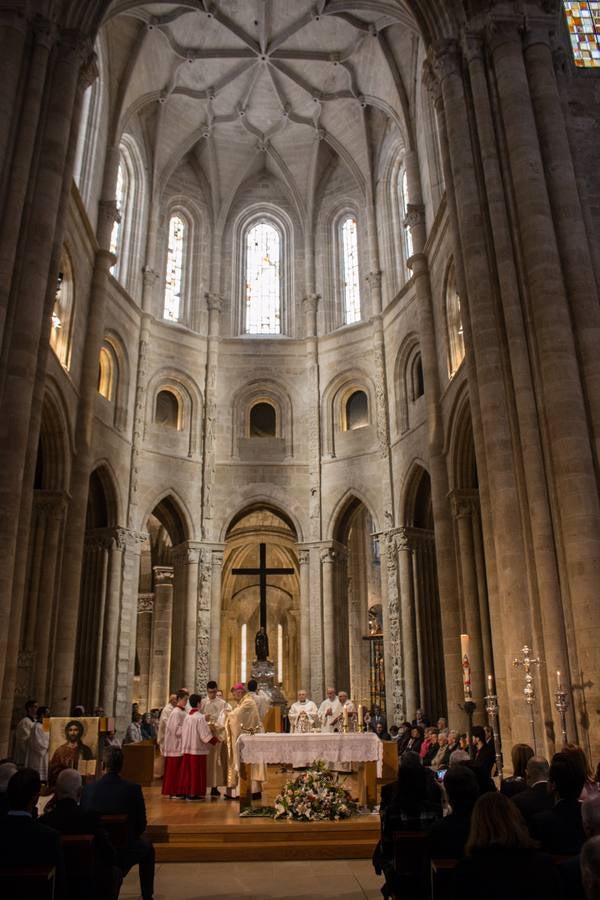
(196, 738)
(172, 751)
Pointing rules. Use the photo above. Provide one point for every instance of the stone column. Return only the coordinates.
(125, 657)
(317, 669)
(203, 626)
(111, 623)
(47, 597)
(412, 697)
(493, 404)
(215, 304)
(14, 26)
(215, 615)
(393, 637)
(143, 646)
(313, 415)
(162, 626)
(566, 432)
(328, 560)
(461, 503)
(303, 562)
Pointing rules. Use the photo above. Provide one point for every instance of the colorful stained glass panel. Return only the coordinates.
(583, 19)
(263, 266)
(351, 286)
(174, 276)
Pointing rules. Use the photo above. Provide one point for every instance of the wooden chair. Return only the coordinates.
(117, 828)
(442, 871)
(411, 862)
(79, 855)
(27, 882)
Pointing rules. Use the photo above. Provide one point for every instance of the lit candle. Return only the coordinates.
(558, 680)
(345, 716)
(361, 714)
(490, 684)
(466, 666)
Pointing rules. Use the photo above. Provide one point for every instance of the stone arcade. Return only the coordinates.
(316, 275)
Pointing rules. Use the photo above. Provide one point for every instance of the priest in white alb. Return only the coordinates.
(330, 712)
(172, 751)
(196, 737)
(215, 710)
(302, 714)
(162, 722)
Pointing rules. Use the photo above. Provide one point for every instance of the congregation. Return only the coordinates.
(533, 833)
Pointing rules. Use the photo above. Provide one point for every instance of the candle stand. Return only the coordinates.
(561, 703)
(491, 707)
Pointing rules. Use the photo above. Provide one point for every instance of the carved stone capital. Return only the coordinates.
(150, 277)
(415, 215)
(145, 603)
(328, 556)
(431, 81)
(163, 575)
(310, 304)
(108, 214)
(89, 71)
(214, 302)
(447, 60)
(473, 45)
(463, 502)
(503, 30)
(373, 279)
(45, 32)
(303, 558)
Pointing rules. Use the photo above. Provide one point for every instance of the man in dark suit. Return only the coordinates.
(571, 871)
(23, 840)
(536, 797)
(113, 795)
(560, 829)
(68, 818)
(485, 755)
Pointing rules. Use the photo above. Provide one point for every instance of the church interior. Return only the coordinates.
(315, 276)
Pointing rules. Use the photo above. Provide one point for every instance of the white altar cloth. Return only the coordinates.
(304, 749)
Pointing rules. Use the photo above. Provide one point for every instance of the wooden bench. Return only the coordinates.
(411, 860)
(27, 882)
(441, 877)
(79, 855)
(117, 828)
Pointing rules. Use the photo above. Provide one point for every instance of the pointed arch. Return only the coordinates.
(343, 511)
(255, 501)
(173, 514)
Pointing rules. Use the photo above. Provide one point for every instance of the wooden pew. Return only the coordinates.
(441, 877)
(411, 861)
(27, 882)
(117, 828)
(80, 862)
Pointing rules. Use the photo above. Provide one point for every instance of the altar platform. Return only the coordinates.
(212, 830)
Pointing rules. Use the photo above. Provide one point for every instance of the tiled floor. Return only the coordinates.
(342, 879)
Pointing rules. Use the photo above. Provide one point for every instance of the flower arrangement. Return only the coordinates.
(313, 796)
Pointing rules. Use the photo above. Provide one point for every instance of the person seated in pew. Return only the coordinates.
(501, 858)
(537, 797)
(7, 770)
(448, 837)
(64, 814)
(113, 795)
(517, 782)
(571, 869)
(25, 842)
(590, 868)
(560, 829)
(406, 807)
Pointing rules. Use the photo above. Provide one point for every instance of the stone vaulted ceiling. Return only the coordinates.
(287, 85)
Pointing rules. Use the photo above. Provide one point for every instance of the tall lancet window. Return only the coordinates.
(263, 279)
(173, 305)
(408, 241)
(120, 197)
(350, 273)
(583, 19)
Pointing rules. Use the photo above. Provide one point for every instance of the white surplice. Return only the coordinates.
(22, 735)
(162, 725)
(37, 750)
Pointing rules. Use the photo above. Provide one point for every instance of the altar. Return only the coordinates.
(366, 750)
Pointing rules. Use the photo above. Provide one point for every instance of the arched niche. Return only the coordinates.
(174, 412)
(340, 440)
(276, 445)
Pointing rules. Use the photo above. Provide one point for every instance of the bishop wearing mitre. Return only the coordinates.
(330, 712)
(215, 709)
(302, 714)
(244, 719)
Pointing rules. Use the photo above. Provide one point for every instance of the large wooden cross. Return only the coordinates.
(262, 571)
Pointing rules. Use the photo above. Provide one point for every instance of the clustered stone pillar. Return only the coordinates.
(162, 625)
(328, 561)
(412, 697)
(143, 646)
(303, 561)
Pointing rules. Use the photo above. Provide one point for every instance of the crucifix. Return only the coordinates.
(262, 571)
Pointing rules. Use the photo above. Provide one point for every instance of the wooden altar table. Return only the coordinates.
(303, 749)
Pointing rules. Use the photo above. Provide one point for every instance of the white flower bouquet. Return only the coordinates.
(314, 796)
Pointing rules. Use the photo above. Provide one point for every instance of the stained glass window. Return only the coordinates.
(174, 277)
(350, 279)
(263, 280)
(115, 237)
(583, 19)
(408, 242)
(456, 343)
(60, 334)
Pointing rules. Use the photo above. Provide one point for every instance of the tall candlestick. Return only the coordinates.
(361, 715)
(466, 667)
